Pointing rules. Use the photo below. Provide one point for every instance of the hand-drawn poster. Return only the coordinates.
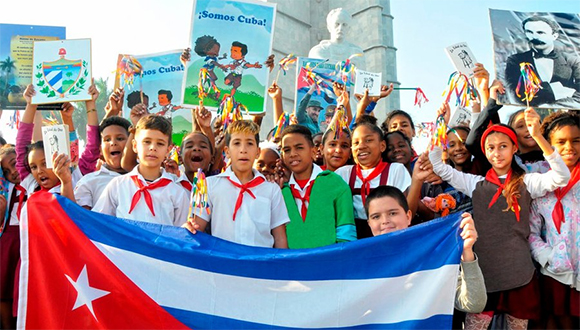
(547, 45)
(368, 80)
(56, 140)
(61, 71)
(161, 86)
(16, 59)
(462, 58)
(230, 41)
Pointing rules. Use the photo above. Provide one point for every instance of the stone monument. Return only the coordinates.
(338, 48)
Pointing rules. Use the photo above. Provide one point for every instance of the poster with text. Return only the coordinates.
(16, 59)
(230, 41)
(549, 44)
(462, 58)
(161, 84)
(61, 71)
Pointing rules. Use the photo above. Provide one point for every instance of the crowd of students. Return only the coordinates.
(515, 185)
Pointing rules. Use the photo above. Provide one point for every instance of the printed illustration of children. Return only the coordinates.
(164, 97)
(209, 47)
(238, 54)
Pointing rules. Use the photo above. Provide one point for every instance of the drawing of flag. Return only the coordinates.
(82, 270)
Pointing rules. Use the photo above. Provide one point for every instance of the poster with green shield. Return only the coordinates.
(230, 41)
(61, 71)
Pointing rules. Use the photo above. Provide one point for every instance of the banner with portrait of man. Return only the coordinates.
(550, 43)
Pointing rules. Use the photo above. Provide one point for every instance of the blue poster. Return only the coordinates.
(16, 59)
(230, 41)
(161, 87)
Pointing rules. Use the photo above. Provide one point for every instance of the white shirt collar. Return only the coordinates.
(228, 173)
(316, 170)
(164, 175)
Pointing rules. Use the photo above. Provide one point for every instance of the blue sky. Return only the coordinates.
(422, 28)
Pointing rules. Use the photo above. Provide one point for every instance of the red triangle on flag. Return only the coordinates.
(73, 285)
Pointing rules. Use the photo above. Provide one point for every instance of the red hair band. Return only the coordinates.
(501, 129)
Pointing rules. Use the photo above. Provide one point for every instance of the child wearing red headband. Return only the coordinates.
(503, 221)
(555, 235)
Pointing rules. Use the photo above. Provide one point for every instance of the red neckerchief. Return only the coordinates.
(492, 177)
(306, 198)
(323, 167)
(365, 188)
(144, 189)
(558, 212)
(186, 185)
(21, 198)
(245, 188)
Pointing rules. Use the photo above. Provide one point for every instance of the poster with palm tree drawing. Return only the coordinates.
(61, 71)
(16, 42)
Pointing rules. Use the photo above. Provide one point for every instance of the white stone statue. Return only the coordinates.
(337, 48)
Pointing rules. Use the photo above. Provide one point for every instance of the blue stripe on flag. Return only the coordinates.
(377, 257)
(55, 79)
(204, 321)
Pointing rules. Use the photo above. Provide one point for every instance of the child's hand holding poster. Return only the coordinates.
(61, 71)
(230, 40)
(368, 80)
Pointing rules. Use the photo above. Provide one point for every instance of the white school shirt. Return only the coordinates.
(292, 183)
(537, 184)
(91, 186)
(182, 178)
(29, 183)
(255, 218)
(398, 177)
(171, 203)
(14, 221)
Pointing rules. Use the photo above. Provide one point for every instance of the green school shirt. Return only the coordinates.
(330, 216)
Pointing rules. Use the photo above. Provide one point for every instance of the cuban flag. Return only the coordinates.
(82, 270)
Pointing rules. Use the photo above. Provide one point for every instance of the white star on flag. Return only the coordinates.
(85, 293)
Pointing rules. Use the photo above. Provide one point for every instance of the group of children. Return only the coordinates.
(517, 194)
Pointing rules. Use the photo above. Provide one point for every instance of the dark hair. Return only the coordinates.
(558, 120)
(134, 98)
(459, 128)
(6, 149)
(166, 92)
(114, 121)
(553, 25)
(243, 47)
(203, 44)
(243, 126)
(370, 122)
(38, 145)
(2, 140)
(211, 147)
(405, 138)
(330, 133)
(387, 191)
(512, 117)
(298, 129)
(385, 125)
(155, 122)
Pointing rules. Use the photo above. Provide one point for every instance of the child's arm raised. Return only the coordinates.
(275, 92)
(470, 295)
(62, 171)
(420, 174)
(24, 133)
(129, 159)
(463, 182)
(538, 184)
(481, 80)
(90, 156)
(115, 103)
(203, 118)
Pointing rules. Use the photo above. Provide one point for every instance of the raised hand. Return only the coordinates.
(275, 92)
(185, 56)
(533, 122)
